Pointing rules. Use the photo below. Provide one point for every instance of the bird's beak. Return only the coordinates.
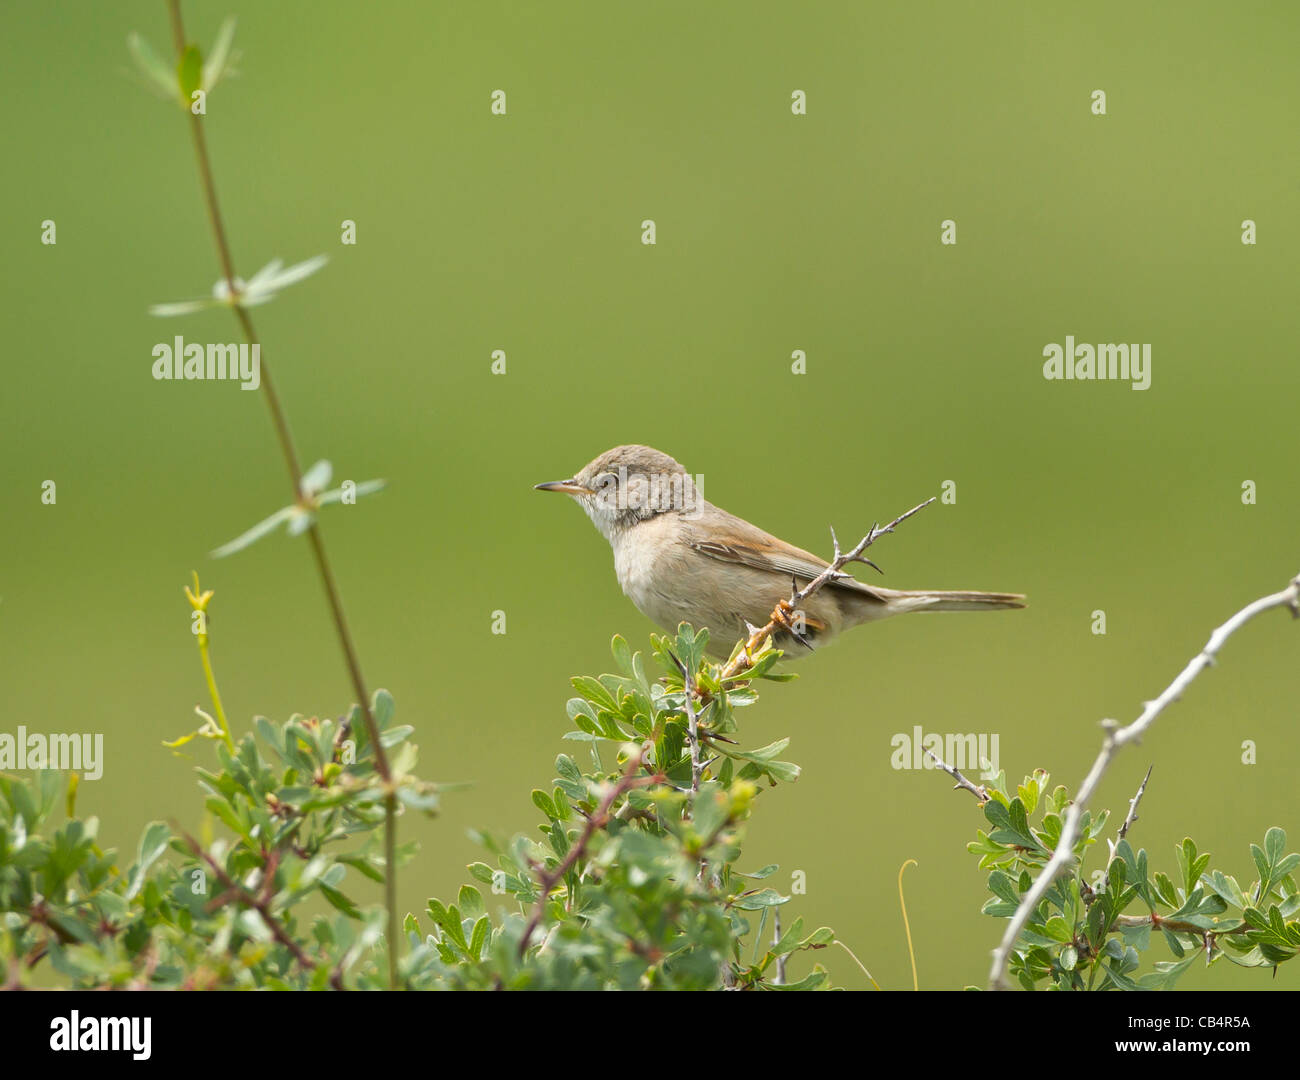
(565, 487)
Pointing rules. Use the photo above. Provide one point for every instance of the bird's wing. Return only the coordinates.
(740, 542)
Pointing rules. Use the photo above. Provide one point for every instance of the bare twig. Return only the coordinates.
(693, 739)
(281, 424)
(1115, 738)
(776, 940)
(1129, 818)
(548, 879)
(1132, 814)
(962, 783)
(781, 614)
(692, 731)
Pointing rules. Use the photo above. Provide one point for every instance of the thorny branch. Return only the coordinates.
(692, 725)
(781, 614)
(780, 978)
(260, 904)
(1115, 738)
(962, 783)
(1132, 814)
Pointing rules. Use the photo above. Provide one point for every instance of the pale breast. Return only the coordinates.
(653, 571)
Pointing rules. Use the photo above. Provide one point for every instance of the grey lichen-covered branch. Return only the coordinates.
(962, 784)
(1115, 738)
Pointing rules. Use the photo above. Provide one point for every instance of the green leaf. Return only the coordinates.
(158, 76)
(1012, 824)
(808, 982)
(756, 901)
(316, 478)
(1165, 974)
(426, 801)
(595, 692)
(1028, 792)
(1274, 845)
(789, 940)
(261, 529)
(1165, 889)
(447, 920)
(1227, 888)
(712, 808)
(622, 653)
(1191, 865)
(763, 760)
(562, 810)
(1272, 932)
(189, 73)
(338, 900)
(1058, 929)
(152, 844)
(1271, 860)
(479, 936)
(366, 487)
(364, 865)
(220, 62)
(1001, 885)
(471, 901)
(383, 707)
(570, 779)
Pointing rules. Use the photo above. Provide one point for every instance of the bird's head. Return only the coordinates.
(628, 485)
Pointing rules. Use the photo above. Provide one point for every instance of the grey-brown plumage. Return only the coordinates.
(682, 559)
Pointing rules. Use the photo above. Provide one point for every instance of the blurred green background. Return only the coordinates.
(775, 233)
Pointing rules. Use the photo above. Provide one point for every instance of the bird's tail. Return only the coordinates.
(901, 600)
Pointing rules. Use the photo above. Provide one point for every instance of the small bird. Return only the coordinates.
(679, 558)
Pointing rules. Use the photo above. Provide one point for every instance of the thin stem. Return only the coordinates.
(278, 419)
(692, 733)
(907, 927)
(199, 601)
(962, 784)
(860, 964)
(345, 640)
(290, 453)
(1129, 818)
(693, 740)
(780, 979)
(214, 693)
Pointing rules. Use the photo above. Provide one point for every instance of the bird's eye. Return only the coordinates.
(605, 480)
